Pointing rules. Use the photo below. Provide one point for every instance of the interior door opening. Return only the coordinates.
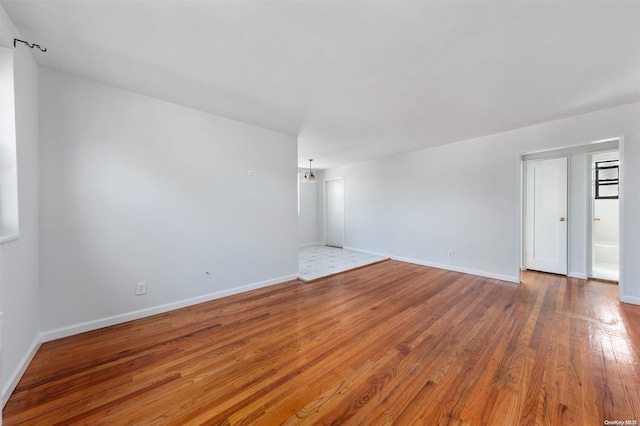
(605, 220)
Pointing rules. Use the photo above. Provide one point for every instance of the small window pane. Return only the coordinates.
(608, 174)
(608, 191)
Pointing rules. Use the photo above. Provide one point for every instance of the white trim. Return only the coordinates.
(142, 313)
(622, 187)
(588, 258)
(318, 243)
(375, 253)
(520, 251)
(509, 278)
(7, 238)
(11, 384)
(578, 275)
(630, 299)
(602, 145)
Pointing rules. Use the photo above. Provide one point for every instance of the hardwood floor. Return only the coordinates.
(392, 343)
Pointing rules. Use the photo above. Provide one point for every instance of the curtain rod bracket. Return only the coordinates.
(30, 45)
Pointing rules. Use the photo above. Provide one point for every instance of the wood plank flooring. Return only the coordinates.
(392, 343)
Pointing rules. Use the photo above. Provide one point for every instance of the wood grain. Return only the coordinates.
(392, 343)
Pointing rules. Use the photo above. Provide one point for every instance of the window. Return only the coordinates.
(607, 179)
(8, 159)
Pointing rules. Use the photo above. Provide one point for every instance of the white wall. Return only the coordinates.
(138, 189)
(579, 175)
(606, 230)
(465, 197)
(19, 258)
(308, 218)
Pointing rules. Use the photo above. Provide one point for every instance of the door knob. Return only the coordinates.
(562, 219)
(597, 219)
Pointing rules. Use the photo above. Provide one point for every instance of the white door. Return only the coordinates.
(546, 215)
(334, 233)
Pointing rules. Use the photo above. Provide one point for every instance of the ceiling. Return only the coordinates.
(354, 80)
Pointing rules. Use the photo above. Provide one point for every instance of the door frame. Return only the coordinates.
(325, 215)
(591, 213)
(602, 145)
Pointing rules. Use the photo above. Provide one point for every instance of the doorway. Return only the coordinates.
(334, 212)
(605, 217)
(546, 215)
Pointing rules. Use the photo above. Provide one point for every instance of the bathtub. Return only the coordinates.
(606, 253)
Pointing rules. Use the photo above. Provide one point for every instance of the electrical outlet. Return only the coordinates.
(450, 254)
(141, 288)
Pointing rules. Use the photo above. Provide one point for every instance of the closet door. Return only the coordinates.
(546, 215)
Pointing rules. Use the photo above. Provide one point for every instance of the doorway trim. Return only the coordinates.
(591, 213)
(602, 145)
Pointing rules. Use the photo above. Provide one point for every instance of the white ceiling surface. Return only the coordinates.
(355, 80)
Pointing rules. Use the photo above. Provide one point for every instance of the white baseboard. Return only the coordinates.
(375, 253)
(501, 277)
(11, 384)
(631, 299)
(142, 313)
(578, 275)
(310, 244)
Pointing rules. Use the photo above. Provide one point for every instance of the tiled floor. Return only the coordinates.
(321, 261)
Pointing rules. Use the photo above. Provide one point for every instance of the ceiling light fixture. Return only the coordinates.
(310, 176)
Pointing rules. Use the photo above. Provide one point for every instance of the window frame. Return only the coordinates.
(599, 166)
